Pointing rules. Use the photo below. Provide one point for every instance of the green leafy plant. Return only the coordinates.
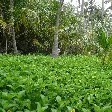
(105, 43)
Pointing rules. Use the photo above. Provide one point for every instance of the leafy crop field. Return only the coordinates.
(65, 84)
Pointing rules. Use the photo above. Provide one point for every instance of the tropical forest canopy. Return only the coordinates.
(29, 26)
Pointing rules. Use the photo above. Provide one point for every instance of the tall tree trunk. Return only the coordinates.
(111, 4)
(6, 46)
(12, 27)
(82, 7)
(102, 8)
(83, 15)
(55, 49)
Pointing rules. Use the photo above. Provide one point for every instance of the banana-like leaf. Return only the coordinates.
(102, 39)
(105, 42)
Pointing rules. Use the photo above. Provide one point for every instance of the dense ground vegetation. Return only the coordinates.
(42, 84)
(35, 23)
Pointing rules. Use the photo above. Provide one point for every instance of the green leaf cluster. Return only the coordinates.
(105, 43)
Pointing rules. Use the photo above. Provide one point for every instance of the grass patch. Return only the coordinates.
(41, 84)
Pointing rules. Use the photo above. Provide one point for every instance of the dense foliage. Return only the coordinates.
(41, 84)
(35, 24)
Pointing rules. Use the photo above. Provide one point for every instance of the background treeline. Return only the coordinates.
(30, 26)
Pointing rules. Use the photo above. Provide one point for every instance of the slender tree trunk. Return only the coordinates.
(82, 12)
(82, 7)
(12, 28)
(91, 18)
(6, 46)
(102, 8)
(83, 15)
(111, 4)
(55, 49)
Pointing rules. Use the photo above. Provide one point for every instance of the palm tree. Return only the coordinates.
(55, 49)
